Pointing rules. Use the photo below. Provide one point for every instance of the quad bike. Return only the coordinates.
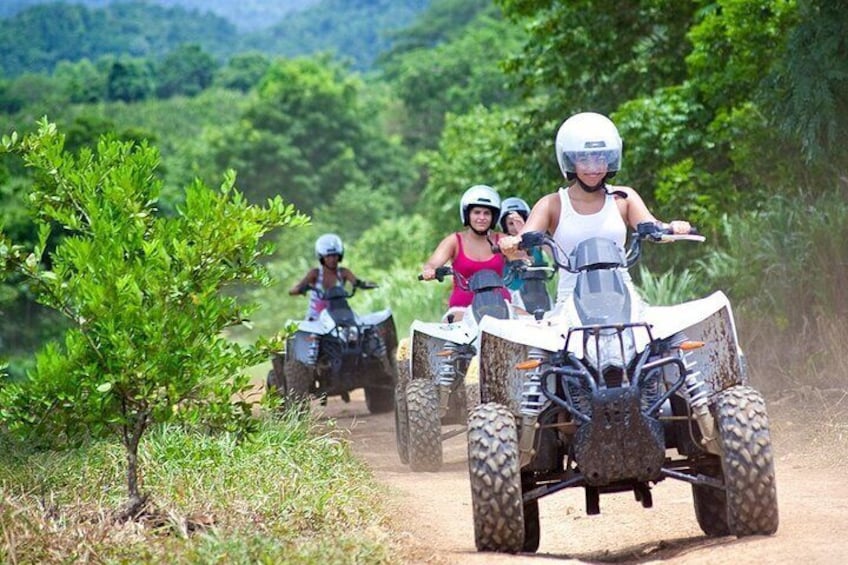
(339, 352)
(432, 391)
(609, 396)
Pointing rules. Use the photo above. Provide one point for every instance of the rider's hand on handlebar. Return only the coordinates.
(509, 246)
(679, 227)
(427, 273)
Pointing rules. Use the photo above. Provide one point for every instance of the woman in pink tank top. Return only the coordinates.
(470, 250)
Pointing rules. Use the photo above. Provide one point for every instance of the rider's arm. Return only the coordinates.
(348, 276)
(445, 252)
(543, 217)
(637, 212)
(308, 280)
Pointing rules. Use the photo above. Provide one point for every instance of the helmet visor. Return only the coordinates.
(590, 162)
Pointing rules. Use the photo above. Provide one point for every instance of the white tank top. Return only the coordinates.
(574, 227)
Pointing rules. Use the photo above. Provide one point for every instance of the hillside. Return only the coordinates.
(356, 30)
(246, 15)
(37, 38)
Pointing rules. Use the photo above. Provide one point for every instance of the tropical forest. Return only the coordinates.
(166, 167)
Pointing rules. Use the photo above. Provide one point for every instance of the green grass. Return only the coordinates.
(291, 494)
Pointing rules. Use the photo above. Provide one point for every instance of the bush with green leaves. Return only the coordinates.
(146, 296)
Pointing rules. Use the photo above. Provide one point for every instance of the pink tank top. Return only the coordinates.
(467, 267)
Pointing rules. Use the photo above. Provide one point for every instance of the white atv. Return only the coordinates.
(432, 389)
(609, 396)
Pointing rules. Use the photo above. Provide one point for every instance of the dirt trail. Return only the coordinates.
(434, 523)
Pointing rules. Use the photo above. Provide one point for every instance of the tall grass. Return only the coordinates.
(785, 268)
(668, 288)
(292, 494)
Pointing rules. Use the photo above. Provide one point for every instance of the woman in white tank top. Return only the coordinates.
(588, 150)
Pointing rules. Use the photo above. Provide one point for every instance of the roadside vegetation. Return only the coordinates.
(292, 493)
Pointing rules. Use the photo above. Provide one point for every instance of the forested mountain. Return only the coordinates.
(38, 38)
(244, 14)
(358, 30)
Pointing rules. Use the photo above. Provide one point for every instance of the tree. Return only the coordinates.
(453, 76)
(129, 80)
(145, 296)
(185, 71)
(243, 72)
(307, 136)
(82, 82)
(805, 94)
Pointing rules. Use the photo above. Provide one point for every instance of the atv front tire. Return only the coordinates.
(711, 510)
(747, 462)
(493, 468)
(425, 425)
(298, 380)
(401, 423)
(379, 399)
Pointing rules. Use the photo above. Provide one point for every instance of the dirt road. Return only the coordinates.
(433, 510)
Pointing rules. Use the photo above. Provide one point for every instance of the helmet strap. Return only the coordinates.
(484, 233)
(591, 189)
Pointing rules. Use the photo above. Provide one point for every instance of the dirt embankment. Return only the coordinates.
(433, 510)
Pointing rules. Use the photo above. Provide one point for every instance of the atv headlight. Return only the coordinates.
(610, 348)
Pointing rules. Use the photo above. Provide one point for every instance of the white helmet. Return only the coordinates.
(588, 135)
(510, 205)
(479, 195)
(329, 244)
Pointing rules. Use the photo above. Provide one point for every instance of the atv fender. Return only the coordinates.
(548, 333)
(311, 326)
(499, 380)
(709, 320)
(375, 318)
(298, 345)
(429, 338)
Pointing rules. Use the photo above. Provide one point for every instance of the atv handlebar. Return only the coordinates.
(651, 231)
(442, 272)
(359, 284)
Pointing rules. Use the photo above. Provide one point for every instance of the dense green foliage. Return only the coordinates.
(38, 39)
(310, 137)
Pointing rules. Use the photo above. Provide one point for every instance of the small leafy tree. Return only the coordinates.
(145, 295)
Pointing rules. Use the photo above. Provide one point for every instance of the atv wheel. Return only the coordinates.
(711, 510)
(273, 384)
(425, 426)
(472, 396)
(401, 423)
(298, 380)
(457, 406)
(746, 462)
(495, 480)
(532, 531)
(379, 399)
